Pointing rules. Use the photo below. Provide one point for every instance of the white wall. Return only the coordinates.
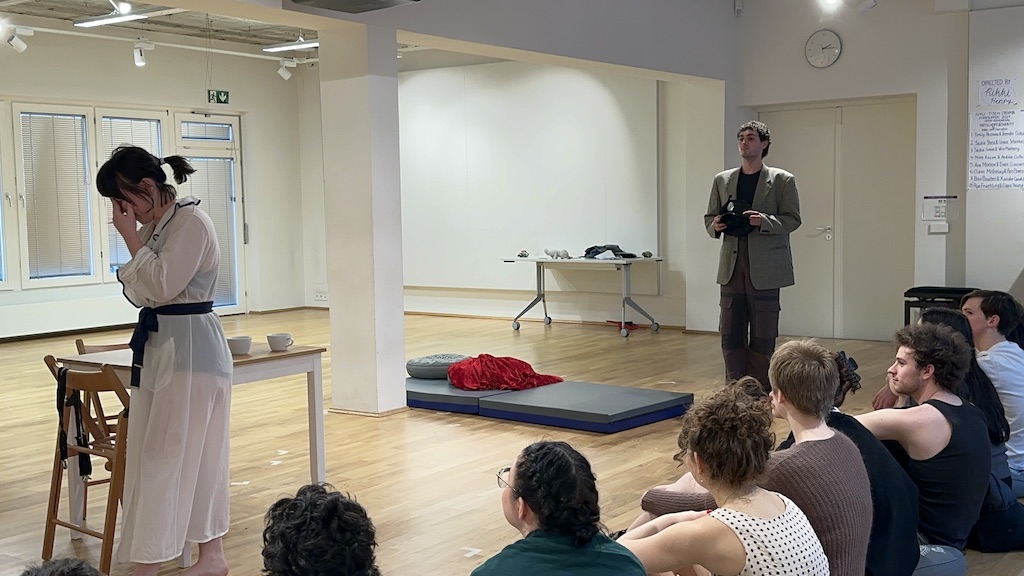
(89, 71)
(995, 239)
(507, 156)
(899, 47)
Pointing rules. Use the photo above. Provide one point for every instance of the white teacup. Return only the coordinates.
(279, 342)
(239, 345)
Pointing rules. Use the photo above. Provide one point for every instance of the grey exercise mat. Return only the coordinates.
(586, 401)
(441, 395)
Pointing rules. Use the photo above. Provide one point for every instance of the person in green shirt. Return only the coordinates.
(550, 495)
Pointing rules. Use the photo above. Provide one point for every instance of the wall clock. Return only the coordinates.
(823, 48)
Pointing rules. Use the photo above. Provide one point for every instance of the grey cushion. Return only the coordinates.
(433, 367)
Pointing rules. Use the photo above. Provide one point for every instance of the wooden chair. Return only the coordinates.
(105, 440)
(95, 404)
(84, 348)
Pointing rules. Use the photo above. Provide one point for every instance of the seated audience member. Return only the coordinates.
(823, 472)
(62, 567)
(319, 532)
(1001, 525)
(892, 547)
(992, 316)
(726, 441)
(942, 443)
(549, 494)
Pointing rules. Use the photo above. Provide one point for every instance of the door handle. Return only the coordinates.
(824, 228)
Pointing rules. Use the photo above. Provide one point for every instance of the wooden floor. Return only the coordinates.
(426, 478)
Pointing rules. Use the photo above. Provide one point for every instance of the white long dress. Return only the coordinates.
(176, 477)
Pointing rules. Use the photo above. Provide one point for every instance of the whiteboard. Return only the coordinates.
(498, 158)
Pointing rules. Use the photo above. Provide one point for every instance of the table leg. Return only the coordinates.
(627, 300)
(315, 392)
(76, 487)
(539, 299)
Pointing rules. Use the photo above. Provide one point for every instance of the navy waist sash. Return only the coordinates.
(148, 323)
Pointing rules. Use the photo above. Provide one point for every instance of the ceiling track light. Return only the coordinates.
(116, 17)
(299, 44)
(15, 41)
(139, 51)
(284, 71)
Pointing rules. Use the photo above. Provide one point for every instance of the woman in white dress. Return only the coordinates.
(726, 440)
(176, 477)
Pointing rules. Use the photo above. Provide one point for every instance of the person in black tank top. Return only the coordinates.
(942, 443)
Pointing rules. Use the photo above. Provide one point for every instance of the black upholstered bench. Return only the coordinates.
(924, 297)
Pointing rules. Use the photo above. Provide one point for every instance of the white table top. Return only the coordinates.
(578, 261)
(257, 353)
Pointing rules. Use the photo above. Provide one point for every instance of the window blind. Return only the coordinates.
(144, 133)
(214, 184)
(208, 131)
(56, 195)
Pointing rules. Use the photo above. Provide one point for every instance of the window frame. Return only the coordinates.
(87, 112)
(103, 214)
(222, 150)
(9, 237)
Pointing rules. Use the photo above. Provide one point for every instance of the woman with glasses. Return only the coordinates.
(550, 496)
(726, 441)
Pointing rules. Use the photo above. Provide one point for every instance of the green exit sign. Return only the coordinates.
(217, 96)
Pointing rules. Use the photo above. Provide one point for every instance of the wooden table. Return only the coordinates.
(259, 364)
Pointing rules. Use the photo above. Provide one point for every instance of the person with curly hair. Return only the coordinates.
(550, 495)
(62, 567)
(823, 472)
(726, 440)
(942, 442)
(319, 532)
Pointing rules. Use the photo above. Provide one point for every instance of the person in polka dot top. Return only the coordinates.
(726, 441)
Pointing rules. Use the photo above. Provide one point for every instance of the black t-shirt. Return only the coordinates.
(746, 186)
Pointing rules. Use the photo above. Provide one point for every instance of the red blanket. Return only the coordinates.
(485, 372)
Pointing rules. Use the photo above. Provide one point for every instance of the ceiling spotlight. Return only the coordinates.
(284, 71)
(14, 39)
(122, 7)
(139, 51)
(299, 44)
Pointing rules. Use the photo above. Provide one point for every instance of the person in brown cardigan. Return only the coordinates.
(823, 472)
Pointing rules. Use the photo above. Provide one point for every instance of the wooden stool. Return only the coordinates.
(106, 438)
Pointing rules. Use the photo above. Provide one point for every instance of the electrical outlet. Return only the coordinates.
(319, 296)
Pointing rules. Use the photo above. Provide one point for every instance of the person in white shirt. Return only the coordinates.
(993, 315)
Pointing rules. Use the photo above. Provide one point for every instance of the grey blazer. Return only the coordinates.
(771, 259)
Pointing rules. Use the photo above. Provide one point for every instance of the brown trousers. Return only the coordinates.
(749, 323)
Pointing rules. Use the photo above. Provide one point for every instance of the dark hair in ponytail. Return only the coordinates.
(129, 165)
(559, 486)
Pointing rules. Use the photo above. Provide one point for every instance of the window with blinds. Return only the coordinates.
(206, 131)
(214, 184)
(57, 199)
(142, 132)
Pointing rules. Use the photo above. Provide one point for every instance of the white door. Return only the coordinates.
(854, 254)
(875, 207)
(804, 143)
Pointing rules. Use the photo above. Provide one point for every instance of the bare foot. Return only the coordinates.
(208, 567)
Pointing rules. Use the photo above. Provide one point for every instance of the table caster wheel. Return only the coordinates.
(547, 319)
(624, 332)
(655, 326)
(515, 325)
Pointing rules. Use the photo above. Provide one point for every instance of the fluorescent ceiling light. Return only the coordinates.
(116, 18)
(299, 44)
